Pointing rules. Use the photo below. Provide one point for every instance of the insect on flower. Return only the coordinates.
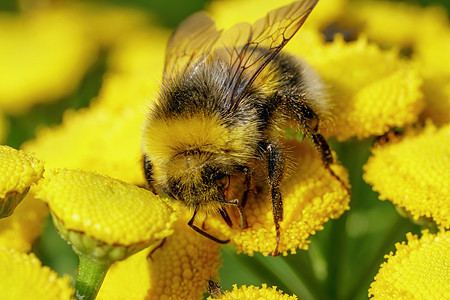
(225, 99)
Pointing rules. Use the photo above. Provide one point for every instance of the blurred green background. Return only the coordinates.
(342, 259)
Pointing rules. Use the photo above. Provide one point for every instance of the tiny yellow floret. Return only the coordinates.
(255, 293)
(104, 208)
(413, 173)
(420, 269)
(23, 277)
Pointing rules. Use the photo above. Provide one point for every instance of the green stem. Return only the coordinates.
(310, 287)
(370, 268)
(89, 277)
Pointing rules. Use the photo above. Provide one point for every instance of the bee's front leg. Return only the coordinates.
(275, 160)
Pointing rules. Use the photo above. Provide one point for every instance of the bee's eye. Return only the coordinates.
(223, 181)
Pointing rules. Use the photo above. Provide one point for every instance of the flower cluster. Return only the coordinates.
(386, 68)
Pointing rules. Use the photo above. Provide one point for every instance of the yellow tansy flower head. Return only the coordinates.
(18, 171)
(177, 269)
(370, 90)
(95, 139)
(419, 269)
(413, 173)
(256, 293)
(105, 209)
(44, 55)
(311, 196)
(23, 277)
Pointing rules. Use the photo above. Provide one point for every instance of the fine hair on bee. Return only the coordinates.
(224, 103)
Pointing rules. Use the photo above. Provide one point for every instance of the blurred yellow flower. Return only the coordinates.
(228, 13)
(21, 229)
(311, 196)
(23, 277)
(378, 18)
(255, 293)
(94, 139)
(18, 171)
(178, 269)
(48, 49)
(422, 32)
(107, 210)
(44, 55)
(413, 173)
(419, 269)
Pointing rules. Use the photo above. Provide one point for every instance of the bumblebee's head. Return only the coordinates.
(197, 180)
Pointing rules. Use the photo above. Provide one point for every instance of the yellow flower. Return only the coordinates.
(371, 90)
(178, 269)
(255, 293)
(44, 55)
(104, 208)
(228, 13)
(18, 171)
(378, 18)
(424, 32)
(19, 230)
(433, 55)
(311, 196)
(95, 139)
(413, 173)
(419, 269)
(23, 277)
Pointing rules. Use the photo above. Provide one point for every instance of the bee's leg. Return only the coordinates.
(309, 121)
(275, 167)
(156, 248)
(191, 224)
(237, 203)
(148, 172)
(247, 183)
(225, 216)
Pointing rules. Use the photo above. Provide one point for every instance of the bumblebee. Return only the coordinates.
(224, 102)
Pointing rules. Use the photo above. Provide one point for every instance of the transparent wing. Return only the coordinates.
(192, 40)
(249, 48)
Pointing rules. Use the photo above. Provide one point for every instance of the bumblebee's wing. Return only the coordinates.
(192, 40)
(249, 48)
